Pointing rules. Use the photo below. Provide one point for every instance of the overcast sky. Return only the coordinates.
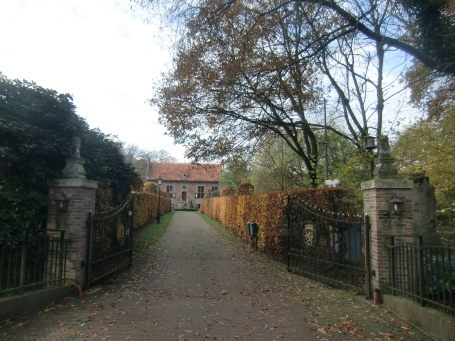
(99, 51)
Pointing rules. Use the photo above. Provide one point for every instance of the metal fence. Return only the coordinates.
(422, 268)
(31, 260)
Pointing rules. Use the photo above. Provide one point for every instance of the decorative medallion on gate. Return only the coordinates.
(109, 242)
(120, 233)
(309, 235)
(328, 247)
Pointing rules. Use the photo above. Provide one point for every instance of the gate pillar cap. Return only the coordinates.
(386, 183)
(77, 182)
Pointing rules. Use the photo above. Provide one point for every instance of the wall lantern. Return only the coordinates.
(62, 203)
(396, 205)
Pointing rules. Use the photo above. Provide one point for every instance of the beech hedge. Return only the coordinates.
(146, 207)
(268, 211)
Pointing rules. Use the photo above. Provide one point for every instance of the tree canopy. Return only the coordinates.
(245, 72)
(427, 147)
(140, 158)
(434, 31)
(424, 30)
(36, 128)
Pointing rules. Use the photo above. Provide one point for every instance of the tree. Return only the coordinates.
(275, 168)
(427, 147)
(36, 128)
(420, 21)
(344, 162)
(131, 152)
(434, 29)
(247, 71)
(432, 90)
(140, 158)
(235, 172)
(236, 82)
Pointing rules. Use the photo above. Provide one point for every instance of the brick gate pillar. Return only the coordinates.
(376, 196)
(81, 194)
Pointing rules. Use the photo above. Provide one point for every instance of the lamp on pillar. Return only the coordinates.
(396, 205)
(62, 203)
(160, 180)
(370, 146)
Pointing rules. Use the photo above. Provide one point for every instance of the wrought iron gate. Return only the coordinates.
(327, 247)
(109, 242)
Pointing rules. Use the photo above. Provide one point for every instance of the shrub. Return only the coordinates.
(149, 187)
(227, 191)
(103, 199)
(269, 212)
(245, 188)
(138, 184)
(36, 129)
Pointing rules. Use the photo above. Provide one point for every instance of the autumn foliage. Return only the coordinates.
(146, 207)
(227, 191)
(149, 187)
(145, 203)
(245, 188)
(269, 212)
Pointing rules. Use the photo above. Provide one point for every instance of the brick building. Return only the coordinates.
(185, 182)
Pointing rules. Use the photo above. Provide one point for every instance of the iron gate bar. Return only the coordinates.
(88, 263)
(109, 242)
(328, 248)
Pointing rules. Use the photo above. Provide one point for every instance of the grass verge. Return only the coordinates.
(151, 233)
(226, 234)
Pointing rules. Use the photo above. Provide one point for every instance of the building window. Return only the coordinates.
(200, 192)
(214, 188)
(169, 189)
(184, 187)
(184, 176)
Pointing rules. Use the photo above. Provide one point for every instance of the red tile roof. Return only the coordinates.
(175, 171)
